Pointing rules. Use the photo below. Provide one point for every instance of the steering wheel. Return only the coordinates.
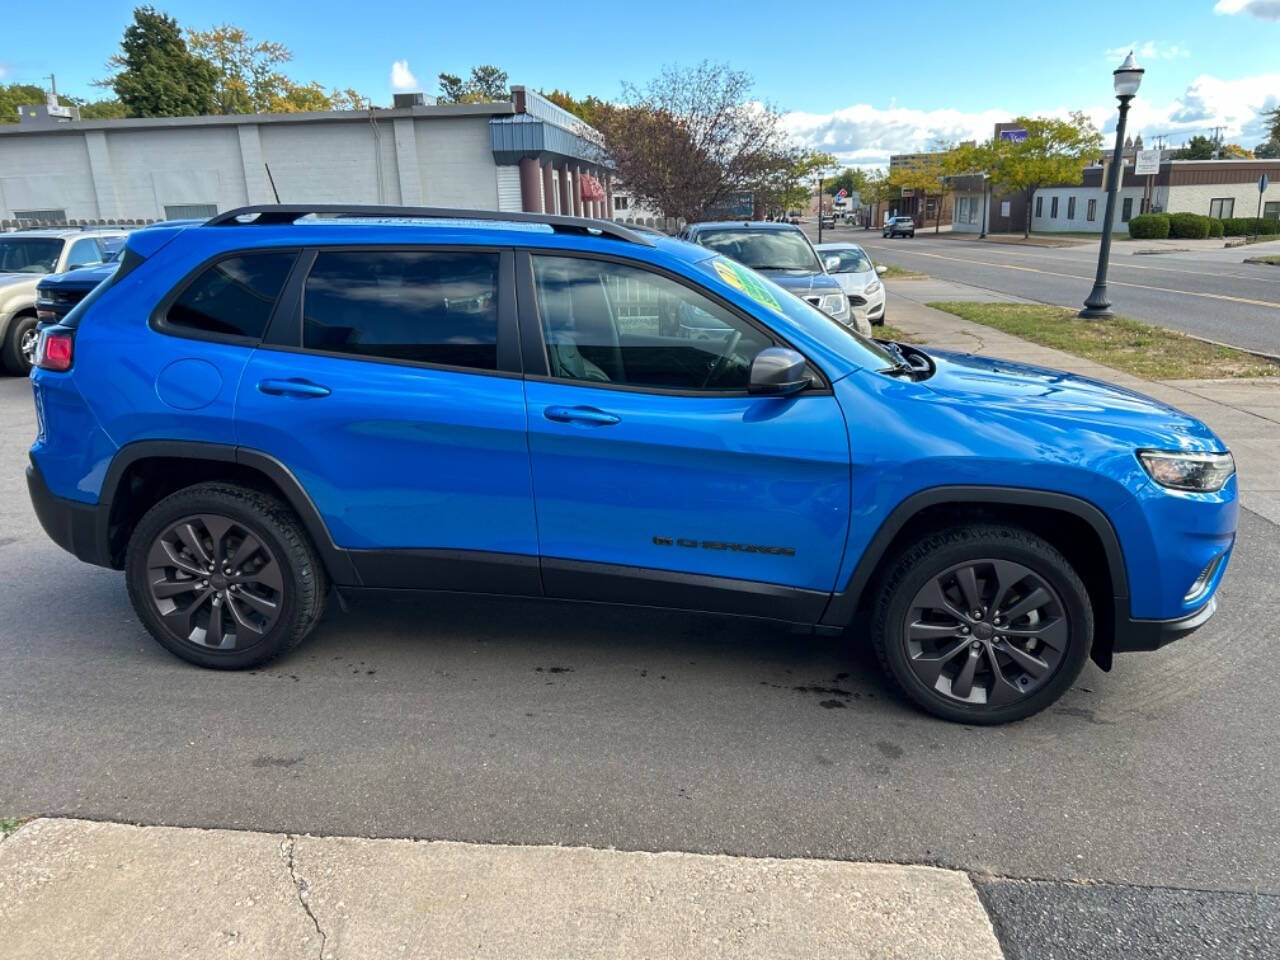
(718, 362)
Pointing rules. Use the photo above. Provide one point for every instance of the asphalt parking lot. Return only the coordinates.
(508, 721)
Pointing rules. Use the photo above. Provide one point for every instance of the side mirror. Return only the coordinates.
(881, 268)
(831, 263)
(778, 372)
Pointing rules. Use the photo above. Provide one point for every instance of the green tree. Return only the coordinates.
(15, 95)
(486, 84)
(876, 189)
(926, 177)
(1054, 151)
(850, 180)
(1197, 148)
(156, 74)
(587, 109)
(102, 109)
(791, 184)
(249, 79)
(1268, 151)
(1272, 119)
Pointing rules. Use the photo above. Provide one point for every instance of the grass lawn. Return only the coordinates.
(893, 270)
(1271, 258)
(887, 331)
(1141, 349)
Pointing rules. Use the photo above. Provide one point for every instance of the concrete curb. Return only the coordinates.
(87, 889)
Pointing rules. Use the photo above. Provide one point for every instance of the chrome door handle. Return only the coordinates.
(588, 415)
(292, 388)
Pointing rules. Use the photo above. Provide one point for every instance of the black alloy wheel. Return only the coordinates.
(214, 583)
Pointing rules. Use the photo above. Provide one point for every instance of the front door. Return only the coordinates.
(658, 478)
(392, 402)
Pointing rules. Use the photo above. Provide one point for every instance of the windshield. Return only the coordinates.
(851, 261)
(763, 249)
(29, 254)
(112, 247)
(819, 325)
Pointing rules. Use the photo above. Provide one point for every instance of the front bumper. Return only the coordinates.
(78, 528)
(1137, 635)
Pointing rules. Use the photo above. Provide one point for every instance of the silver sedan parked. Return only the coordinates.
(859, 279)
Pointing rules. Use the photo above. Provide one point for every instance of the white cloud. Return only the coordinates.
(1262, 9)
(402, 77)
(1151, 50)
(865, 136)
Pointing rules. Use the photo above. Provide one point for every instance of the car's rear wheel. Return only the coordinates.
(224, 576)
(19, 349)
(983, 624)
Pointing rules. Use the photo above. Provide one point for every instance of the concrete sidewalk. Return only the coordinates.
(88, 890)
(1244, 412)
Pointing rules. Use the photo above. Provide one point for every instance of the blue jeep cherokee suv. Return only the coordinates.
(283, 402)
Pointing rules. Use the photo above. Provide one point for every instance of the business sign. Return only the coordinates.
(1016, 135)
(1148, 162)
(841, 193)
(734, 206)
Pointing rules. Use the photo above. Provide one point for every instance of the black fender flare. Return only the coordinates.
(337, 561)
(844, 604)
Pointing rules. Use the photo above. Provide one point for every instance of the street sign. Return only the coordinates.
(1148, 162)
(1263, 182)
(842, 193)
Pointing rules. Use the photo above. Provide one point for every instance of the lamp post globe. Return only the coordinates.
(1126, 79)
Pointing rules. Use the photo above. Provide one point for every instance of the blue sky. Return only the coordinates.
(896, 77)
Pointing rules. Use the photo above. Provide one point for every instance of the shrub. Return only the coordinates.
(1215, 227)
(1149, 226)
(1248, 226)
(1188, 226)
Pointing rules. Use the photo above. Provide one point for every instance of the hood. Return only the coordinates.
(855, 282)
(1072, 402)
(802, 283)
(84, 277)
(16, 279)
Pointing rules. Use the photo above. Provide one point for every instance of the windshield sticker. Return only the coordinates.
(743, 279)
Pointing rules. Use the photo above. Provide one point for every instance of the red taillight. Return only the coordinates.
(55, 351)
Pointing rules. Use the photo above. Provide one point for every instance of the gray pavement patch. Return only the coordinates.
(1038, 920)
(76, 888)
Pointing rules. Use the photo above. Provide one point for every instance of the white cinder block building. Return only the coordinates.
(1216, 188)
(522, 154)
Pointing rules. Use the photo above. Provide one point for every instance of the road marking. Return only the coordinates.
(1115, 283)
(1033, 254)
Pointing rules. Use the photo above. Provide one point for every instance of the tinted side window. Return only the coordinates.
(424, 306)
(607, 322)
(233, 297)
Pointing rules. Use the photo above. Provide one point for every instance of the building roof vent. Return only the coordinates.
(408, 100)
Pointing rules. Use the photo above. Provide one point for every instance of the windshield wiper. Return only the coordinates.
(901, 365)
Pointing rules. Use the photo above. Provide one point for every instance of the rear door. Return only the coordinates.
(391, 389)
(658, 478)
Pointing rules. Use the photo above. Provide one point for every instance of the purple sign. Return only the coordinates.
(1017, 136)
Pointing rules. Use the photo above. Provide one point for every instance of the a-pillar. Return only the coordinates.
(548, 187)
(530, 185)
(566, 192)
(577, 191)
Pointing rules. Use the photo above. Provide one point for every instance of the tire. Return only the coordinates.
(274, 604)
(20, 329)
(1039, 653)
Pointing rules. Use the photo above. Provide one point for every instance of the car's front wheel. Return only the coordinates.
(224, 576)
(983, 624)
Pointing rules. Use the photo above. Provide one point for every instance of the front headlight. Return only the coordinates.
(872, 287)
(1179, 470)
(835, 304)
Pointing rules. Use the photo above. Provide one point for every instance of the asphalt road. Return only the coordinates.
(1208, 293)
(506, 721)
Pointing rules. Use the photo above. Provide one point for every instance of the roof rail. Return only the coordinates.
(264, 214)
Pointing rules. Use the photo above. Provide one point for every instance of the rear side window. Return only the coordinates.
(233, 297)
(437, 307)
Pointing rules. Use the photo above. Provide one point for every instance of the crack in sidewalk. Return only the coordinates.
(287, 848)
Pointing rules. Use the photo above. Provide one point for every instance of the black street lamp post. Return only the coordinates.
(1128, 77)
(983, 234)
